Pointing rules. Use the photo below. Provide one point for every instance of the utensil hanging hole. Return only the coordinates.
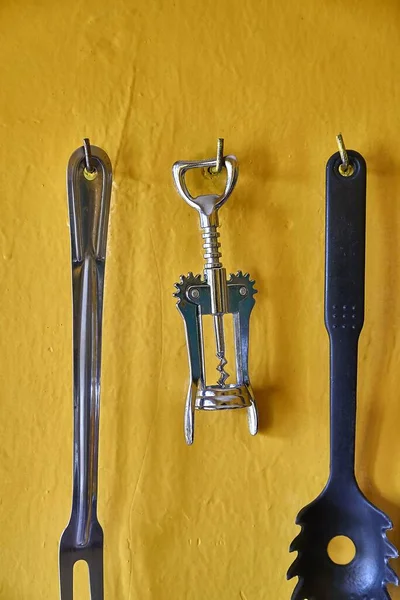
(211, 174)
(346, 172)
(90, 175)
(341, 550)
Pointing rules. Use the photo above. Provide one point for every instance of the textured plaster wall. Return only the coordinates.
(153, 82)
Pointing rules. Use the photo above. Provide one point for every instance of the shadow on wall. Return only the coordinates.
(279, 338)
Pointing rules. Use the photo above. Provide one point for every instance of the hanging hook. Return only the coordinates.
(88, 155)
(345, 169)
(89, 171)
(220, 158)
(220, 155)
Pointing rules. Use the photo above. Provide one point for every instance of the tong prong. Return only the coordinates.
(66, 566)
(97, 579)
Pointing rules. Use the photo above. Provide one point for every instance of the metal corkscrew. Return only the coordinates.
(217, 296)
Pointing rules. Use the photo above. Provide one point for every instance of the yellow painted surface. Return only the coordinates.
(152, 82)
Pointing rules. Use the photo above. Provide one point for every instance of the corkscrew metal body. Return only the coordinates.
(214, 295)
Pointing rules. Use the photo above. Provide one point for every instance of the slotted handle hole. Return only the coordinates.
(90, 175)
(341, 550)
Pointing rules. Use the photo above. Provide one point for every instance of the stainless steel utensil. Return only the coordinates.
(89, 178)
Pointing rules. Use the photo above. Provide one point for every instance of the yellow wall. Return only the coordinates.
(153, 82)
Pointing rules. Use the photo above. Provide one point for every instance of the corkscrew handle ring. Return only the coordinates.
(206, 204)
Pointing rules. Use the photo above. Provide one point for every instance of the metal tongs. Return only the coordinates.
(89, 178)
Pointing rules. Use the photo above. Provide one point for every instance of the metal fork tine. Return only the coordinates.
(66, 578)
(96, 580)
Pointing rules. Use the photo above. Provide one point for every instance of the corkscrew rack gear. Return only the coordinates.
(342, 509)
(215, 295)
(89, 178)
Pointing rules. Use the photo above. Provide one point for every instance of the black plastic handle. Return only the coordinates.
(344, 301)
